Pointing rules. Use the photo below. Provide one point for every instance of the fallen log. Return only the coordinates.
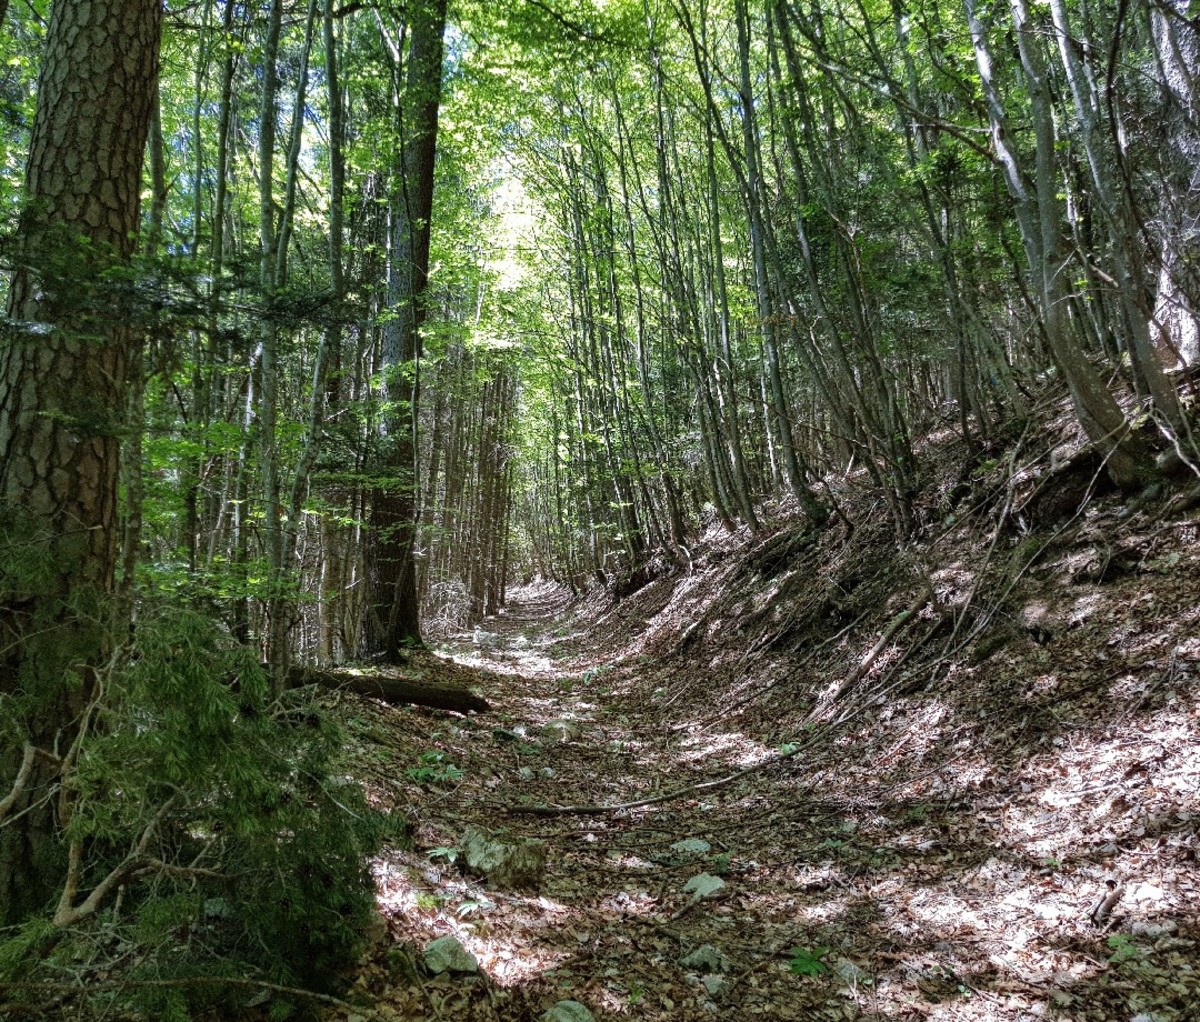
(391, 690)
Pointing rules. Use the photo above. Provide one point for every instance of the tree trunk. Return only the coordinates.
(1036, 206)
(63, 364)
(395, 691)
(1177, 297)
(779, 417)
(395, 616)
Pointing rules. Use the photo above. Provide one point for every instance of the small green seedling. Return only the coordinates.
(806, 961)
(450, 854)
(435, 768)
(1125, 949)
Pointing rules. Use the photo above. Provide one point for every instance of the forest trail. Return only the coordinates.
(945, 859)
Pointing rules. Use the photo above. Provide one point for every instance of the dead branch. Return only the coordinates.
(137, 863)
(902, 619)
(670, 796)
(10, 800)
(391, 690)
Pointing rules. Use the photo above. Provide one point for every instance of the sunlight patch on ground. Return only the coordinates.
(730, 747)
(628, 903)
(444, 903)
(950, 837)
(943, 911)
(952, 585)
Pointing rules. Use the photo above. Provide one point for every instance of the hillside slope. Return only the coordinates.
(953, 777)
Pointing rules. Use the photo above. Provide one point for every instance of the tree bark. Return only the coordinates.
(395, 618)
(63, 363)
(396, 691)
(1036, 205)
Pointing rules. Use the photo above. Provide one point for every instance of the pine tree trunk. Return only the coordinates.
(63, 362)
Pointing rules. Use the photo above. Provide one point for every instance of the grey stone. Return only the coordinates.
(705, 957)
(446, 954)
(715, 984)
(691, 846)
(1153, 930)
(506, 862)
(560, 730)
(568, 1011)
(703, 885)
(851, 973)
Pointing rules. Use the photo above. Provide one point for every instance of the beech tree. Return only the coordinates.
(395, 613)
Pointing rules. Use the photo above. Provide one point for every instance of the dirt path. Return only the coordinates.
(909, 862)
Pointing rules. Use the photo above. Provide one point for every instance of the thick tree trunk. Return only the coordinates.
(62, 404)
(1177, 296)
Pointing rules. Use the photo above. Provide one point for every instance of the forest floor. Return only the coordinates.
(954, 779)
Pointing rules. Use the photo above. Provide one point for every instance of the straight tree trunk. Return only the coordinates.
(63, 365)
(395, 610)
(1134, 290)
(268, 403)
(1036, 205)
(1177, 297)
(779, 417)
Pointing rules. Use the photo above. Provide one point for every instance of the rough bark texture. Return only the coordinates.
(63, 356)
(391, 690)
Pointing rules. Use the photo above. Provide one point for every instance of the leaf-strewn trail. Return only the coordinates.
(958, 783)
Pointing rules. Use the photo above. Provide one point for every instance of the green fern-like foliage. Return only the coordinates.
(257, 848)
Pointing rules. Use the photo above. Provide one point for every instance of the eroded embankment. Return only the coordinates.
(971, 794)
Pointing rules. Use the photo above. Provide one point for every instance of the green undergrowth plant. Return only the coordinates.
(807, 961)
(435, 768)
(243, 847)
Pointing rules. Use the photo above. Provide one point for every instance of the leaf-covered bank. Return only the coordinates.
(950, 780)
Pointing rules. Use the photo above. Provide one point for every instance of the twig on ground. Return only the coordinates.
(670, 796)
(147, 984)
(889, 633)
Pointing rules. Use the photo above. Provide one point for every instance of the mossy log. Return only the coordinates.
(391, 690)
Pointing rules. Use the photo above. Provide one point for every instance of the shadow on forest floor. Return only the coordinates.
(929, 830)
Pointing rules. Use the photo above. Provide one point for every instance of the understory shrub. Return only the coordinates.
(256, 849)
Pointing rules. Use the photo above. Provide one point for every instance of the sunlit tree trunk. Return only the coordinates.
(780, 418)
(1133, 285)
(1177, 297)
(1036, 205)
